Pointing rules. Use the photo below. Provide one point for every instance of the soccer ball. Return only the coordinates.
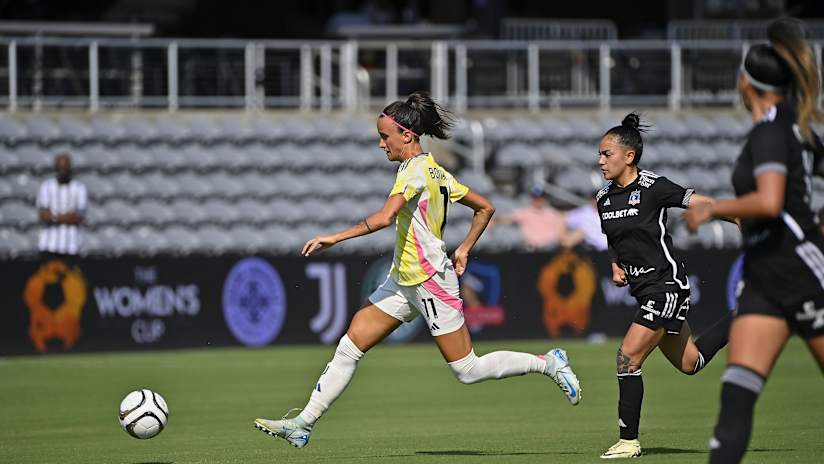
(143, 413)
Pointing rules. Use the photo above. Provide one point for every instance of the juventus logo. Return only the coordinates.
(330, 322)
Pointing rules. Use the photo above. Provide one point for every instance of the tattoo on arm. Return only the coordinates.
(366, 224)
(625, 364)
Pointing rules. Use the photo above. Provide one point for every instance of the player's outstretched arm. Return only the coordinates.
(765, 202)
(376, 221)
(483, 213)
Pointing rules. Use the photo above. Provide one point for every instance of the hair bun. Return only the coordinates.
(785, 29)
(419, 100)
(632, 120)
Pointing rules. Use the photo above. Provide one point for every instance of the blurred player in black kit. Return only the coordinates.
(783, 283)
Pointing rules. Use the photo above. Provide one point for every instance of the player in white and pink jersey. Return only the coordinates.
(423, 280)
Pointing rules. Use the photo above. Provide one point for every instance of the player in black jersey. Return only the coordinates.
(633, 210)
(783, 282)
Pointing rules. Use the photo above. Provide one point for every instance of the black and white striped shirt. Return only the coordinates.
(61, 199)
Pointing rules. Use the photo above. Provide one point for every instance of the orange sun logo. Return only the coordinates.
(62, 322)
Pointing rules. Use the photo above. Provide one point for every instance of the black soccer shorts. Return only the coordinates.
(805, 318)
(665, 309)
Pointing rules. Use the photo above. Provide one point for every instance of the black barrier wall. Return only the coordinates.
(134, 303)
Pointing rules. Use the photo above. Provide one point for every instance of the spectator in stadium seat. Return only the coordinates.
(61, 203)
(583, 227)
(541, 225)
(782, 287)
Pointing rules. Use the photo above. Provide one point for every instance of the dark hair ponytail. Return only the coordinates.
(629, 134)
(421, 115)
(787, 39)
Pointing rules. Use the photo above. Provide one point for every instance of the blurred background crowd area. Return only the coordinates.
(202, 129)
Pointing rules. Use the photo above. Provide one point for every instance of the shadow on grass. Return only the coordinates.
(661, 450)
(490, 453)
(770, 450)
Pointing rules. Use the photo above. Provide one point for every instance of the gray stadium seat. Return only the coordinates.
(221, 211)
(127, 185)
(169, 158)
(140, 130)
(252, 211)
(280, 239)
(205, 130)
(15, 243)
(121, 212)
(75, 130)
(556, 129)
(12, 131)
(36, 159)
(475, 181)
(245, 239)
(149, 240)
(189, 212)
(155, 212)
(107, 130)
(172, 129)
(94, 216)
(98, 187)
(519, 155)
(10, 161)
(161, 186)
(731, 126)
(213, 240)
(136, 159)
(18, 214)
(43, 129)
(24, 186)
(234, 158)
(115, 240)
(267, 129)
(237, 129)
(193, 186)
(225, 185)
(701, 126)
(181, 240)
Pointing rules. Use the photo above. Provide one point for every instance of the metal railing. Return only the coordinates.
(112, 73)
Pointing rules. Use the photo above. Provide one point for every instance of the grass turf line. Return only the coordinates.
(403, 406)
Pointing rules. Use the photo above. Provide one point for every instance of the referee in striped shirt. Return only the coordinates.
(61, 203)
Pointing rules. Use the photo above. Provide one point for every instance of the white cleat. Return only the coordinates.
(558, 368)
(624, 449)
(288, 429)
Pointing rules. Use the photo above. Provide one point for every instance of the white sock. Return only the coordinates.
(496, 365)
(332, 381)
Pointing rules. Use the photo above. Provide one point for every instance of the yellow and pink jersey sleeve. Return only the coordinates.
(428, 189)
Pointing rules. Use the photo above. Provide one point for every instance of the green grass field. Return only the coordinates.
(403, 406)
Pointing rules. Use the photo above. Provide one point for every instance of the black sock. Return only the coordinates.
(740, 389)
(631, 394)
(712, 340)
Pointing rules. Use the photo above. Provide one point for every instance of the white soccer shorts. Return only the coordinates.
(438, 300)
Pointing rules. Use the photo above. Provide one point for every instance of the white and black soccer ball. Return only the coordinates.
(143, 413)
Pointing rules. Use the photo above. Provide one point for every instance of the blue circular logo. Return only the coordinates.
(733, 279)
(254, 302)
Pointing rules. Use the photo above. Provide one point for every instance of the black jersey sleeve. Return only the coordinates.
(818, 155)
(768, 146)
(671, 195)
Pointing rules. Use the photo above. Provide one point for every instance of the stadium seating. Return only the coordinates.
(198, 184)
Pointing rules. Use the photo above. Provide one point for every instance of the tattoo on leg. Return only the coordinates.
(624, 363)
